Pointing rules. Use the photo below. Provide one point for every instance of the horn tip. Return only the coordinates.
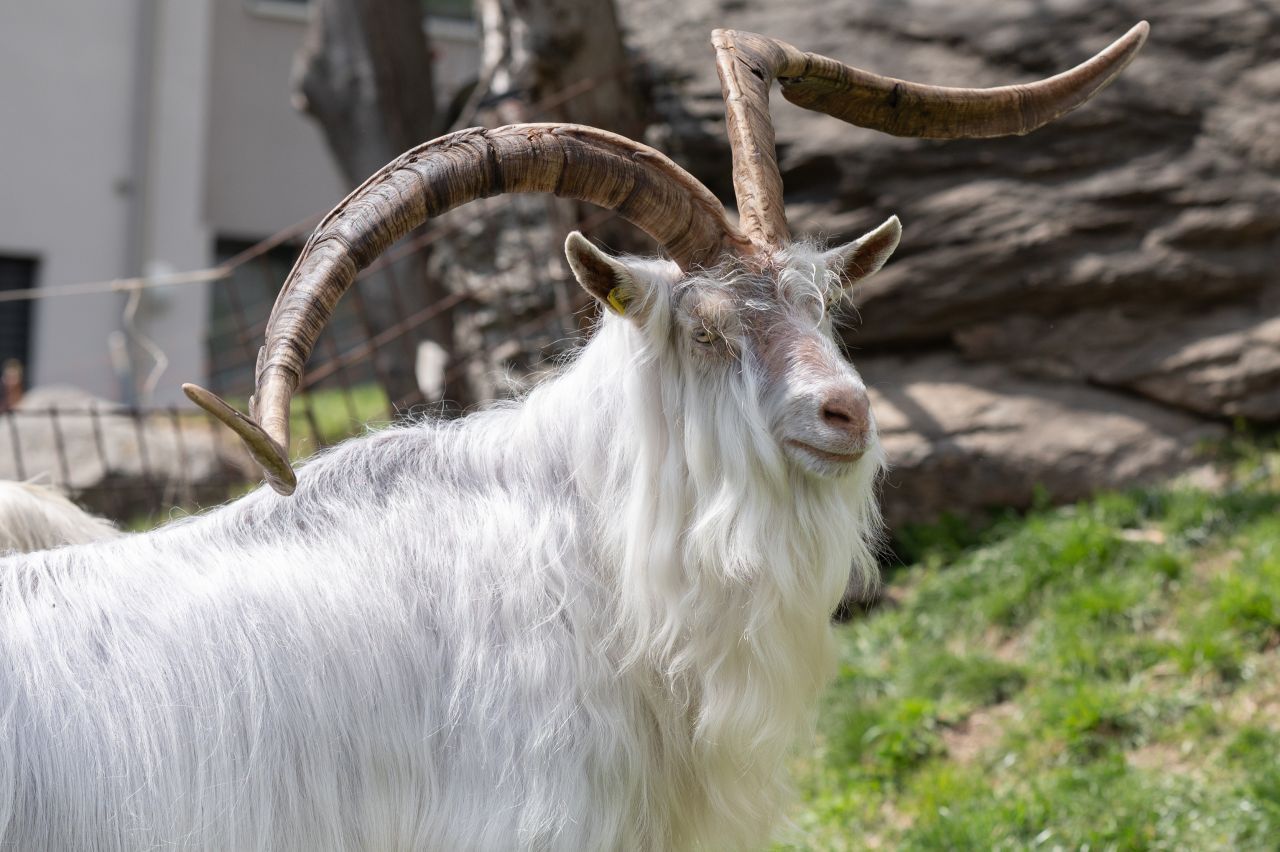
(282, 486)
(1136, 37)
(264, 449)
(720, 38)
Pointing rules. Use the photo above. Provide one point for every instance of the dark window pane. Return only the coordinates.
(449, 8)
(15, 316)
(443, 8)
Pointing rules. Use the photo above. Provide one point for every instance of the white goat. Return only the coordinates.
(37, 518)
(593, 619)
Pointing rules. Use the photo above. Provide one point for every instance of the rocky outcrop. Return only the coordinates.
(974, 436)
(1074, 309)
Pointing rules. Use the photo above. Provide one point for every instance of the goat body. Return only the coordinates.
(529, 628)
(37, 518)
(596, 619)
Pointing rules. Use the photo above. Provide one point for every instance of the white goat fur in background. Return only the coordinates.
(37, 518)
(594, 619)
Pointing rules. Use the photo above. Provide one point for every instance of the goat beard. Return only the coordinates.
(732, 559)
(722, 512)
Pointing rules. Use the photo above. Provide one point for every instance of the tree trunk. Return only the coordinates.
(542, 60)
(364, 74)
(557, 60)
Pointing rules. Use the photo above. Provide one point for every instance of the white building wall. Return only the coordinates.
(268, 165)
(227, 155)
(65, 81)
(176, 236)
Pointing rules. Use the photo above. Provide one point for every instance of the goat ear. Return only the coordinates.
(604, 277)
(864, 256)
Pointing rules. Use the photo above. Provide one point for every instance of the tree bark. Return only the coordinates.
(557, 60)
(364, 75)
(542, 60)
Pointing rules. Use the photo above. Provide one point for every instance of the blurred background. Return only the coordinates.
(1091, 309)
(1073, 310)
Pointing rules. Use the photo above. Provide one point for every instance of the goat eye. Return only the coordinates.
(703, 336)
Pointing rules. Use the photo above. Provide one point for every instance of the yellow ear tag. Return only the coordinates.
(618, 299)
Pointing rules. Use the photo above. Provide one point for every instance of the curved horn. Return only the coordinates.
(571, 161)
(748, 64)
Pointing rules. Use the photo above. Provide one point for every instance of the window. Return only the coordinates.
(15, 316)
(463, 10)
(238, 310)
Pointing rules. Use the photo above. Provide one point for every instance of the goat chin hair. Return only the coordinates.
(595, 618)
(33, 517)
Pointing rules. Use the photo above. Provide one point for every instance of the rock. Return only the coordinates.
(115, 464)
(429, 369)
(1216, 362)
(962, 437)
(1075, 309)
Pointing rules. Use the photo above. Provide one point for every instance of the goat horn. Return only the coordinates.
(748, 64)
(571, 161)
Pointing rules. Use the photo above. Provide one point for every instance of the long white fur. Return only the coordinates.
(33, 517)
(593, 619)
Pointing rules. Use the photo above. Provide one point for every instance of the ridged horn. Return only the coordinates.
(748, 64)
(571, 161)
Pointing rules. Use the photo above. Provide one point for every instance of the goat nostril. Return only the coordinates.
(846, 411)
(835, 416)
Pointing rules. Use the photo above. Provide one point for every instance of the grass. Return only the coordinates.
(1099, 676)
(338, 414)
(331, 414)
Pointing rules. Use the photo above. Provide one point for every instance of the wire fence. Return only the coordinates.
(373, 364)
(130, 464)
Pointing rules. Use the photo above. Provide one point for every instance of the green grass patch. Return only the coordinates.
(1101, 676)
(323, 417)
(336, 414)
